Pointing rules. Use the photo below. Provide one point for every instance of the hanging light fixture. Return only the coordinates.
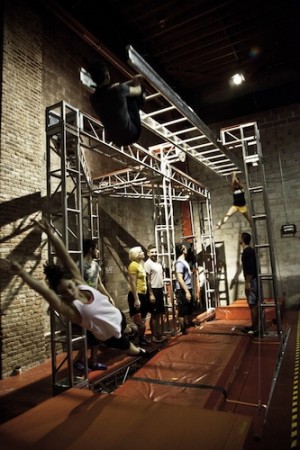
(237, 79)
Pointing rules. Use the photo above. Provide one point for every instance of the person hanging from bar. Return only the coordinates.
(117, 105)
(239, 202)
(71, 296)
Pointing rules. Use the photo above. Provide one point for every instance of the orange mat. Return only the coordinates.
(78, 419)
(202, 366)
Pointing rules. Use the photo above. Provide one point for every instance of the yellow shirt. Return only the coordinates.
(138, 270)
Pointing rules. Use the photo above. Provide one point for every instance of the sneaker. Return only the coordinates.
(183, 331)
(97, 366)
(143, 341)
(157, 340)
(253, 332)
(246, 330)
(79, 366)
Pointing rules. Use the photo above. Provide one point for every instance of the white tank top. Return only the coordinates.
(98, 315)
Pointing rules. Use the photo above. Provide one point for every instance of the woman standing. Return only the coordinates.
(138, 300)
(239, 202)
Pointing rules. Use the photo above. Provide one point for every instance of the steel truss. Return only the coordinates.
(179, 124)
(66, 171)
(247, 138)
(145, 173)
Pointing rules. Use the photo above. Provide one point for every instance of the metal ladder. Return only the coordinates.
(165, 241)
(247, 137)
(65, 174)
(222, 274)
(209, 254)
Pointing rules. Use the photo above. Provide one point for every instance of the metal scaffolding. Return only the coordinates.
(140, 172)
(65, 174)
(247, 138)
(173, 121)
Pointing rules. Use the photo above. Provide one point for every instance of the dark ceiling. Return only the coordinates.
(196, 45)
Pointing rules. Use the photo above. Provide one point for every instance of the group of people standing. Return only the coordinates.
(83, 299)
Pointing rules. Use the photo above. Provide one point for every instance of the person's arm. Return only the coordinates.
(135, 88)
(235, 180)
(101, 288)
(61, 251)
(66, 309)
(135, 91)
(150, 291)
(248, 279)
(132, 281)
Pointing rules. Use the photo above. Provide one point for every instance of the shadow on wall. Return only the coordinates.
(23, 252)
(16, 213)
(117, 240)
(20, 208)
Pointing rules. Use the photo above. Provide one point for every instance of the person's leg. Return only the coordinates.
(161, 325)
(181, 310)
(159, 312)
(153, 324)
(156, 328)
(232, 210)
(254, 317)
(140, 324)
(125, 345)
(246, 215)
(136, 315)
(94, 364)
(253, 305)
(189, 309)
(93, 344)
(133, 107)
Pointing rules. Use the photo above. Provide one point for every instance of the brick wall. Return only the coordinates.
(22, 184)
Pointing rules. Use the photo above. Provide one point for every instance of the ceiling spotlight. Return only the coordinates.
(237, 79)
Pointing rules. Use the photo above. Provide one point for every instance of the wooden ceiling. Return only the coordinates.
(196, 45)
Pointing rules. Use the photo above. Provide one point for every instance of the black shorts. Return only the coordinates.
(185, 308)
(143, 310)
(91, 340)
(123, 342)
(158, 307)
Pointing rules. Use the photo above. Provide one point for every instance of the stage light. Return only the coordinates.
(237, 79)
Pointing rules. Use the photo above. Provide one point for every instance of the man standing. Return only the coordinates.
(154, 273)
(184, 292)
(251, 287)
(91, 268)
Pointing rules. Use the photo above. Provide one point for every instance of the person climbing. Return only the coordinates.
(117, 105)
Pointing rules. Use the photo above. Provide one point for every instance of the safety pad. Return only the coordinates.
(195, 369)
(78, 419)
